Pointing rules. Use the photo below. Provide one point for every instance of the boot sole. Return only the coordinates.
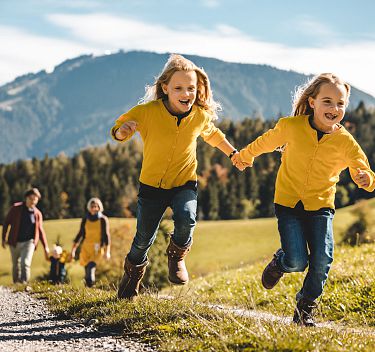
(120, 295)
(180, 283)
(131, 298)
(300, 323)
(266, 286)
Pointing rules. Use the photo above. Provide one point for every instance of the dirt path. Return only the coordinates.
(27, 325)
(269, 317)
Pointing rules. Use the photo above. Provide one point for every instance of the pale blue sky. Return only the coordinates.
(313, 37)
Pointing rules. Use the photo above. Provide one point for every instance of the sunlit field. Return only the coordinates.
(217, 245)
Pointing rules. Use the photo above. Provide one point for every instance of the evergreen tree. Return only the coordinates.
(213, 198)
(111, 172)
(4, 199)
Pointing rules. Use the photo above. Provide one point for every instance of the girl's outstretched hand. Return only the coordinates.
(238, 163)
(362, 178)
(126, 129)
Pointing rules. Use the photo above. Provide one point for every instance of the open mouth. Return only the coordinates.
(184, 102)
(330, 116)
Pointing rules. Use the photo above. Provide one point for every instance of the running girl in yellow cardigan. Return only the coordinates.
(315, 149)
(95, 238)
(177, 109)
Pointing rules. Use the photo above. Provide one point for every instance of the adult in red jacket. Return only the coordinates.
(26, 228)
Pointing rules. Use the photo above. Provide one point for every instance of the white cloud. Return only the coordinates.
(23, 52)
(314, 28)
(102, 32)
(227, 30)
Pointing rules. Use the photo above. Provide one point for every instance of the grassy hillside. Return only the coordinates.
(349, 295)
(187, 323)
(217, 244)
(186, 320)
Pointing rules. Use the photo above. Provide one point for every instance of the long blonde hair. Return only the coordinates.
(311, 88)
(176, 63)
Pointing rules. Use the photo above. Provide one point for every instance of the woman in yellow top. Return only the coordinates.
(315, 149)
(95, 238)
(177, 109)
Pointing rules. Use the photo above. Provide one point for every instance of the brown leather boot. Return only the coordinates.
(304, 313)
(176, 264)
(133, 274)
(272, 273)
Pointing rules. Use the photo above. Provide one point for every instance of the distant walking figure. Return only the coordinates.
(177, 109)
(26, 228)
(95, 238)
(315, 149)
(58, 259)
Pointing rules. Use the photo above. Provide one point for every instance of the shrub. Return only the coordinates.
(360, 230)
(109, 273)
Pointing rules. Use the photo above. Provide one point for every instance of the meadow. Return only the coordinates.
(185, 319)
(218, 245)
(225, 266)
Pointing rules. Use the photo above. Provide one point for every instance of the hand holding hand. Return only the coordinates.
(238, 163)
(362, 178)
(126, 129)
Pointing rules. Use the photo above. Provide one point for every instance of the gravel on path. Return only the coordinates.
(26, 325)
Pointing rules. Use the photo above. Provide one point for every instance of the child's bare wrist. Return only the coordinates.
(230, 156)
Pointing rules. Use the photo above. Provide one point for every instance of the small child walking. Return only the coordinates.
(315, 149)
(95, 238)
(177, 109)
(58, 259)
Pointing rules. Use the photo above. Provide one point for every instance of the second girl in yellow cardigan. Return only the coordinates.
(316, 148)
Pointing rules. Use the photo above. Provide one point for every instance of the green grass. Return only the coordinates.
(186, 323)
(218, 245)
(66, 231)
(349, 296)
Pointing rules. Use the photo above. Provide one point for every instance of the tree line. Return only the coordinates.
(111, 173)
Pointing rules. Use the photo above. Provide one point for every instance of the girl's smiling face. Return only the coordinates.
(181, 90)
(329, 106)
(94, 208)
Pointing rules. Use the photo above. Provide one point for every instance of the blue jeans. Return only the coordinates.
(149, 215)
(306, 240)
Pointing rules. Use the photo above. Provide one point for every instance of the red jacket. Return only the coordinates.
(13, 219)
